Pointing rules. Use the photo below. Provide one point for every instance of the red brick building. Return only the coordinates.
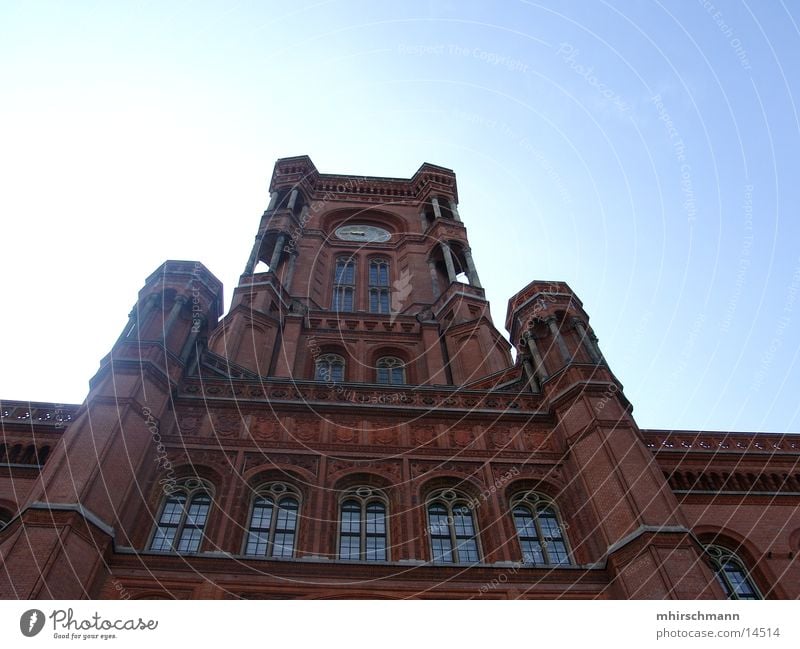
(356, 426)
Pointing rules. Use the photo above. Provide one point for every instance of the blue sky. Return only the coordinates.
(644, 152)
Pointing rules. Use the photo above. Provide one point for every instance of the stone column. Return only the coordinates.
(437, 211)
(434, 279)
(276, 253)
(471, 271)
(180, 300)
(454, 210)
(538, 367)
(585, 340)
(562, 346)
(292, 200)
(188, 347)
(530, 373)
(252, 260)
(423, 220)
(273, 199)
(202, 343)
(448, 262)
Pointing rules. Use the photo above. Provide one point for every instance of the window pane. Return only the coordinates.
(376, 548)
(438, 523)
(383, 375)
(287, 515)
(467, 551)
(190, 539)
(163, 538)
(557, 552)
(549, 525)
(344, 272)
(260, 521)
(198, 511)
(462, 522)
(376, 518)
(528, 537)
(343, 299)
(173, 510)
(350, 532)
(285, 527)
(329, 368)
(284, 545)
(523, 519)
(349, 547)
(379, 273)
(351, 517)
(384, 302)
(442, 550)
(439, 529)
(532, 553)
(738, 580)
(376, 532)
(398, 376)
(262, 514)
(257, 543)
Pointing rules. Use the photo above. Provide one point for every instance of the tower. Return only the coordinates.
(356, 426)
(364, 269)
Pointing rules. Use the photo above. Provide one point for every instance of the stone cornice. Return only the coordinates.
(288, 393)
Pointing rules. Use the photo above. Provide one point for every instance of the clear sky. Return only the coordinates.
(644, 152)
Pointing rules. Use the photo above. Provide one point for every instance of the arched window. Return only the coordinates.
(362, 525)
(732, 574)
(451, 528)
(540, 533)
(391, 371)
(183, 517)
(344, 285)
(329, 368)
(379, 300)
(273, 521)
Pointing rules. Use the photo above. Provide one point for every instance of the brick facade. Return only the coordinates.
(404, 399)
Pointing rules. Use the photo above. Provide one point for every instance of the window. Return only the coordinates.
(731, 574)
(329, 368)
(273, 522)
(541, 536)
(362, 525)
(183, 518)
(451, 528)
(391, 371)
(344, 284)
(379, 301)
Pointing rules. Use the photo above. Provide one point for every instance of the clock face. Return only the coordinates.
(363, 233)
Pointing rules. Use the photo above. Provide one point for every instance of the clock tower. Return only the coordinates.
(363, 272)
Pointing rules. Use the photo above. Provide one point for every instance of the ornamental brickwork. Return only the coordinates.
(356, 427)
